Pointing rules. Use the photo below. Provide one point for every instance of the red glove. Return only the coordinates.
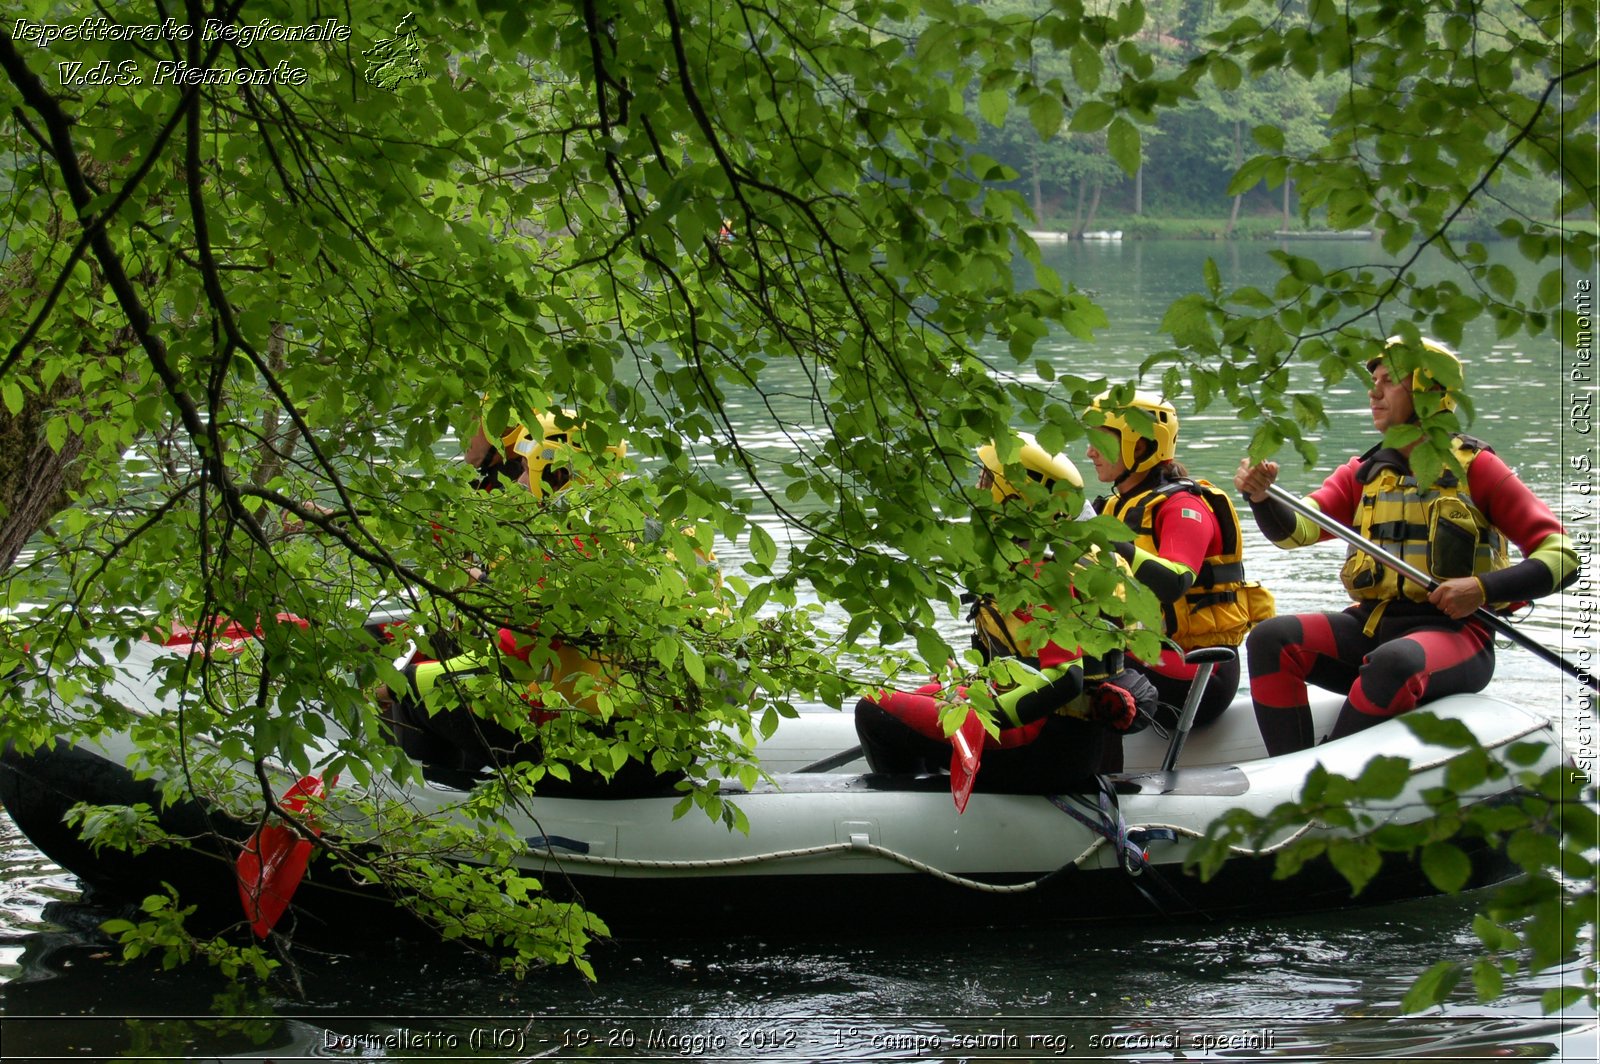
(1113, 706)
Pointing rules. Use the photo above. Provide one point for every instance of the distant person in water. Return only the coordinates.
(1401, 644)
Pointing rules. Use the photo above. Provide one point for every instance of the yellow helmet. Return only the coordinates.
(1439, 370)
(1042, 466)
(549, 468)
(1163, 430)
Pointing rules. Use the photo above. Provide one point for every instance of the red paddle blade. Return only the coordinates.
(966, 752)
(270, 868)
(273, 862)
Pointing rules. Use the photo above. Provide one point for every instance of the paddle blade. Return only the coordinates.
(269, 870)
(966, 753)
(273, 862)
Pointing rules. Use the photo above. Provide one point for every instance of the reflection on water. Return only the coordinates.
(1305, 988)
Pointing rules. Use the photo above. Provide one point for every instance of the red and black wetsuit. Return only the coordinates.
(1415, 652)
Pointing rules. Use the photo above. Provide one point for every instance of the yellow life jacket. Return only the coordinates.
(999, 635)
(1438, 531)
(1221, 606)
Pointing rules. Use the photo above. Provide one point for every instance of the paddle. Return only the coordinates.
(832, 761)
(1411, 572)
(274, 861)
(966, 754)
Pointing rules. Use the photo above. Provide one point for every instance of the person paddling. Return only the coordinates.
(1400, 644)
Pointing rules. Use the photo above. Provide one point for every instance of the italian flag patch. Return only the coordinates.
(1191, 514)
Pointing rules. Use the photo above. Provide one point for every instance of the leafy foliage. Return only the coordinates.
(229, 300)
(1542, 920)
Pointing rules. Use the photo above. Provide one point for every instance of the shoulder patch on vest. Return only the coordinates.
(1189, 512)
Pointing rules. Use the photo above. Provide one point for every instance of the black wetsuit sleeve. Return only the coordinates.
(1052, 696)
(1528, 579)
(1276, 521)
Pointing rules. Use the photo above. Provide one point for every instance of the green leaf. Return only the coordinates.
(1356, 860)
(693, 664)
(12, 393)
(1488, 980)
(1091, 116)
(1446, 866)
(762, 547)
(1384, 777)
(1122, 140)
(1432, 987)
(1269, 137)
(1046, 113)
(514, 26)
(1431, 729)
(993, 104)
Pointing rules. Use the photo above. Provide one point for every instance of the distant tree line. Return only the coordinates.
(1191, 153)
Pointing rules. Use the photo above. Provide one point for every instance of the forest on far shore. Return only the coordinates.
(1184, 185)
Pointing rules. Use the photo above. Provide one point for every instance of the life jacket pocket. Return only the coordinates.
(1362, 576)
(1452, 538)
(1259, 603)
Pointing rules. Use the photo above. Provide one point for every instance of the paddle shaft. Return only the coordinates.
(1191, 706)
(1411, 572)
(833, 761)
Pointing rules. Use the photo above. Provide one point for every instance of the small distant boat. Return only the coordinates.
(1048, 236)
(1103, 234)
(1323, 234)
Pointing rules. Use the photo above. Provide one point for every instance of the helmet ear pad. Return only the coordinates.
(1144, 452)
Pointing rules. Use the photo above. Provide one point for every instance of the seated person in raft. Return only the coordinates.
(1051, 726)
(455, 736)
(1187, 549)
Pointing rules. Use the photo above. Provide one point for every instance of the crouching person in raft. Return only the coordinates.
(1051, 724)
(435, 721)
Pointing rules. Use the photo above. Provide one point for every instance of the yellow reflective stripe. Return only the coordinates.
(1306, 531)
(1142, 557)
(1555, 553)
(1007, 701)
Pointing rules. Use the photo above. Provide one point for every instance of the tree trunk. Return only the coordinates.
(1094, 205)
(1238, 159)
(1077, 213)
(277, 442)
(1288, 183)
(1138, 192)
(34, 477)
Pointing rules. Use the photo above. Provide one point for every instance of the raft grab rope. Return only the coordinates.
(1130, 842)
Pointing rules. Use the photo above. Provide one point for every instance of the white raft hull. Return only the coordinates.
(846, 848)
